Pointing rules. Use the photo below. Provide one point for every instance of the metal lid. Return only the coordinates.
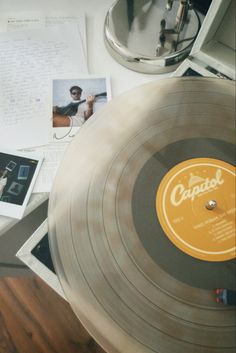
(151, 36)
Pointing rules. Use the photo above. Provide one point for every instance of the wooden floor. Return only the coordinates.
(34, 319)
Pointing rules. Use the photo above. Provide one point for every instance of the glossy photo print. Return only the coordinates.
(74, 102)
(18, 173)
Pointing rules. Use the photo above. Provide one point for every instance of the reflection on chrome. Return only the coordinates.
(151, 36)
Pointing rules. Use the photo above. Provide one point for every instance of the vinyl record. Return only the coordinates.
(142, 219)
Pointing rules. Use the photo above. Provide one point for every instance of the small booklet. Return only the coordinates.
(18, 173)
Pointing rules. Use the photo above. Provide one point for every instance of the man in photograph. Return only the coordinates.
(76, 112)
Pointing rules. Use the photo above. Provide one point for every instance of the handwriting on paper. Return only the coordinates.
(28, 63)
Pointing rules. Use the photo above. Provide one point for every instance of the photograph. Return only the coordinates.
(18, 172)
(15, 188)
(23, 172)
(75, 101)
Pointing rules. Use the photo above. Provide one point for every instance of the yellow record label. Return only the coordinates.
(195, 205)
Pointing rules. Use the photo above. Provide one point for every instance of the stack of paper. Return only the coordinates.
(34, 50)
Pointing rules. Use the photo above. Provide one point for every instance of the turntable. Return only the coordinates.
(144, 234)
(142, 223)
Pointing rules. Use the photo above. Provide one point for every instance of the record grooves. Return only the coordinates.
(131, 287)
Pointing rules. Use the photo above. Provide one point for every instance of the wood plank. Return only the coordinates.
(34, 319)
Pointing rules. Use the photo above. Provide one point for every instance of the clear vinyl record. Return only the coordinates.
(142, 219)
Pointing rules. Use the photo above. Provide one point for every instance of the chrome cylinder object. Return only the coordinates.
(151, 36)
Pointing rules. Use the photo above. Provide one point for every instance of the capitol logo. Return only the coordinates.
(196, 186)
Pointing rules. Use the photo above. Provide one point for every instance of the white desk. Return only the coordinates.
(99, 60)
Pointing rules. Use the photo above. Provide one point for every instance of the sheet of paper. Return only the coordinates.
(30, 60)
(18, 173)
(21, 20)
(58, 17)
(53, 154)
